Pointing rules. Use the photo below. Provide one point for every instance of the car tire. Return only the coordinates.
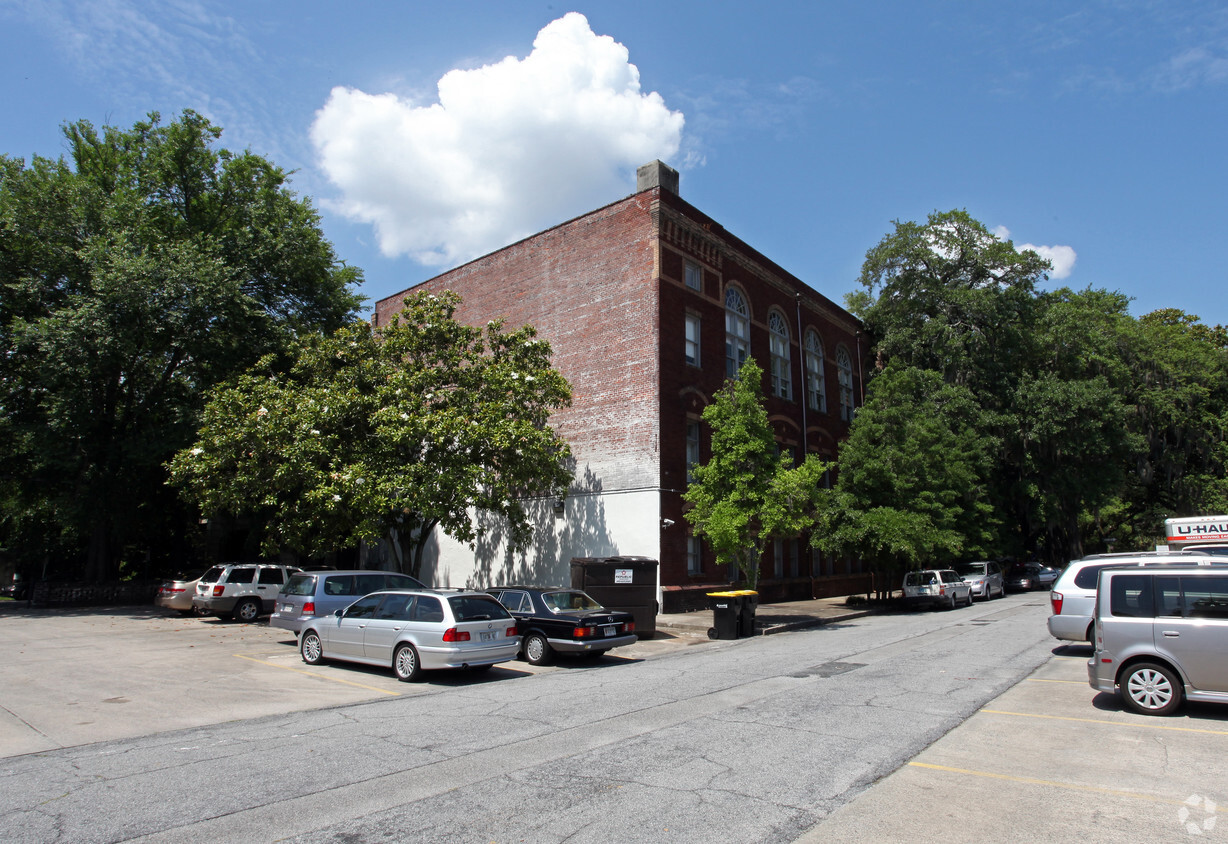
(405, 663)
(970, 598)
(311, 648)
(1149, 688)
(246, 611)
(537, 650)
(950, 602)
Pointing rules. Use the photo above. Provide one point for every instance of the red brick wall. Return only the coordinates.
(588, 288)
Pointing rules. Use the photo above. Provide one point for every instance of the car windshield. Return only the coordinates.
(569, 601)
(970, 568)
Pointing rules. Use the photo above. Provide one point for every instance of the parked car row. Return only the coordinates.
(391, 619)
(948, 588)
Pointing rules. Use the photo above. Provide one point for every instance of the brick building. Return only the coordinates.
(649, 304)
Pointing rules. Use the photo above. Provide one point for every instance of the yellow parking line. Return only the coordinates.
(1052, 783)
(317, 676)
(1107, 723)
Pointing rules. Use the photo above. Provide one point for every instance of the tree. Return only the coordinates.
(134, 277)
(913, 484)
(747, 494)
(388, 433)
(951, 297)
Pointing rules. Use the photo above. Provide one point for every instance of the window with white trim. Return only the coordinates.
(844, 368)
(694, 276)
(782, 373)
(692, 339)
(737, 331)
(816, 379)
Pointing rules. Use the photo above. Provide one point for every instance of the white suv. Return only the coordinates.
(936, 588)
(242, 591)
(1073, 598)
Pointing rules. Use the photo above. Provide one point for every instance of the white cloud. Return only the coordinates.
(508, 149)
(1061, 257)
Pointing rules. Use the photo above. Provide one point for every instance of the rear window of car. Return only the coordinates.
(300, 584)
(1085, 578)
(1130, 596)
(971, 568)
(569, 601)
(212, 575)
(403, 581)
(476, 608)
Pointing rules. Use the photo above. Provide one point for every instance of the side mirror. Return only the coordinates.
(339, 613)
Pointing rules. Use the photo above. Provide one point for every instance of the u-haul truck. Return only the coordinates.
(1196, 530)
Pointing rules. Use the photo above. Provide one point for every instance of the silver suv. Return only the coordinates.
(1162, 636)
(1073, 598)
(321, 593)
(243, 591)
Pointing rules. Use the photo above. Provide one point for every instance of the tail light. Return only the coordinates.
(218, 590)
(629, 627)
(512, 631)
(309, 608)
(1056, 598)
(454, 635)
(583, 632)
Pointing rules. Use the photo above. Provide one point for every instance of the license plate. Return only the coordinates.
(487, 637)
(287, 608)
(609, 631)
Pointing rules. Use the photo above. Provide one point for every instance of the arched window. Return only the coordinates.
(737, 331)
(816, 380)
(844, 366)
(782, 377)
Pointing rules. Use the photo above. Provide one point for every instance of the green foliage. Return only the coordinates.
(388, 433)
(747, 494)
(912, 488)
(1102, 424)
(133, 277)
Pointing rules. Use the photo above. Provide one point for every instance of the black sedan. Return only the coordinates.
(559, 620)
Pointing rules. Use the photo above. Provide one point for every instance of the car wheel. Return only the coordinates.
(247, 611)
(970, 597)
(1151, 689)
(951, 602)
(537, 650)
(405, 663)
(312, 648)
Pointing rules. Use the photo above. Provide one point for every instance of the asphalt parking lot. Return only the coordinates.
(1053, 760)
(74, 677)
(1048, 760)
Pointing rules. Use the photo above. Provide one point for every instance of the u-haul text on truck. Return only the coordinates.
(1182, 533)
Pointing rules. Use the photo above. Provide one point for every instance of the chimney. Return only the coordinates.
(658, 174)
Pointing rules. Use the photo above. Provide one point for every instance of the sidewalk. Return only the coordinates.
(769, 618)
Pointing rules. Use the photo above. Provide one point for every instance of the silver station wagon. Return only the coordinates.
(414, 631)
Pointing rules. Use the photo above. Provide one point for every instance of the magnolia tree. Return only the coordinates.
(386, 434)
(747, 494)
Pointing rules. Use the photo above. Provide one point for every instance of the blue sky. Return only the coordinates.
(430, 133)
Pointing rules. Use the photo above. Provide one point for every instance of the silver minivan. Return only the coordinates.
(1161, 636)
(315, 594)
